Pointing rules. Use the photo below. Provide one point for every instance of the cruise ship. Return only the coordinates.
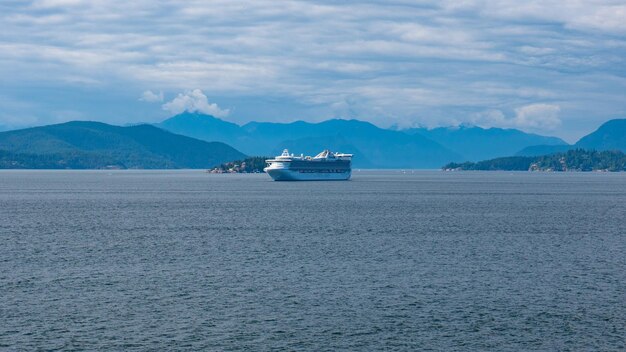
(325, 166)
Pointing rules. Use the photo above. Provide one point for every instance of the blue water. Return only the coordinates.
(184, 260)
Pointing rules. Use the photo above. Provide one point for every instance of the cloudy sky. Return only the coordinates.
(554, 67)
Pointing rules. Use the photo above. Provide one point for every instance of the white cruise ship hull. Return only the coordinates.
(326, 166)
(294, 175)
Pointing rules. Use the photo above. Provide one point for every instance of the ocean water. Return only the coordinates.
(184, 260)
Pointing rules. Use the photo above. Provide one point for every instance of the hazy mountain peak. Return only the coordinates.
(195, 115)
(202, 126)
(609, 136)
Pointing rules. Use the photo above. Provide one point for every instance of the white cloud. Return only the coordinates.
(151, 97)
(538, 116)
(535, 51)
(414, 62)
(45, 4)
(194, 101)
(602, 15)
(489, 118)
(532, 117)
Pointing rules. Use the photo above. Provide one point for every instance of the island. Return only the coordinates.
(254, 164)
(572, 160)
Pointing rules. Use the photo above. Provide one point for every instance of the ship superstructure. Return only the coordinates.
(324, 166)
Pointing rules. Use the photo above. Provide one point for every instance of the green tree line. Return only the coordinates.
(572, 160)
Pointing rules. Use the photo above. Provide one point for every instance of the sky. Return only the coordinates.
(549, 67)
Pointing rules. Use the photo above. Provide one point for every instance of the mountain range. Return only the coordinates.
(95, 145)
(373, 147)
(192, 140)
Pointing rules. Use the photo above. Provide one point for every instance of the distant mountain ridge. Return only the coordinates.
(205, 127)
(89, 145)
(611, 135)
(476, 143)
(374, 147)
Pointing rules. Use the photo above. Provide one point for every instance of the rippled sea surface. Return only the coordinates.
(184, 260)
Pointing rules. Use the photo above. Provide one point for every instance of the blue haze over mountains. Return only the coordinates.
(476, 143)
(373, 146)
(193, 140)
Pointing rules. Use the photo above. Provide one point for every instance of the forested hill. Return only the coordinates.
(572, 160)
(254, 164)
(95, 145)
